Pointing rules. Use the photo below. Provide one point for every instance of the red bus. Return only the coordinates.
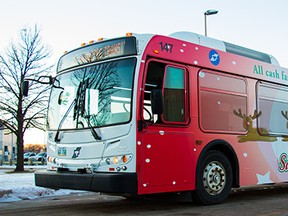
(148, 114)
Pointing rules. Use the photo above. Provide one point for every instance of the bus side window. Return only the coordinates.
(220, 96)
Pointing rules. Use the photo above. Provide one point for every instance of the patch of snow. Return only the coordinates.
(21, 186)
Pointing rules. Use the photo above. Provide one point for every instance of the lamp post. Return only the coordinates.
(207, 13)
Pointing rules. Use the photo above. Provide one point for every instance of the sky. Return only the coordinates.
(65, 24)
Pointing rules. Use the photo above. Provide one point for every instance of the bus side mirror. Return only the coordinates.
(156, 101)
(25, 88)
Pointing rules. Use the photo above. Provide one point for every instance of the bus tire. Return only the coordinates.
(213, 179)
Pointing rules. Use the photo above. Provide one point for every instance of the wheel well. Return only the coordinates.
(225, 148)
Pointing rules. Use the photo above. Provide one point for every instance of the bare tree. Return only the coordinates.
(25, 59)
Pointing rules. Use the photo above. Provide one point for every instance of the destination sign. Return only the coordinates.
(97, 52)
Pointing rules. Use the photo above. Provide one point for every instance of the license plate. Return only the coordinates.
(62, 151)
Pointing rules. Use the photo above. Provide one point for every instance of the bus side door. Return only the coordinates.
(166, 142)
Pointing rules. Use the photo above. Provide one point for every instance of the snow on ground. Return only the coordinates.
(21, 186)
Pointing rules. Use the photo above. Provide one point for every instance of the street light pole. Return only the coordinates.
(208, 13)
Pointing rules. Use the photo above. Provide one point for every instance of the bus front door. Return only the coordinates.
(166, 141)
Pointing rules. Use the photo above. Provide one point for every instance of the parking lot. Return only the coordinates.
(30, 158)
(258, 201)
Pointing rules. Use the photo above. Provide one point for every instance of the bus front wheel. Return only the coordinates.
(214, 178)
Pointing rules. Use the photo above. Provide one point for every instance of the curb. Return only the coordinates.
(25, 167)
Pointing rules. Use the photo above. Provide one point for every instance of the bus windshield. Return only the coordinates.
(92, 96)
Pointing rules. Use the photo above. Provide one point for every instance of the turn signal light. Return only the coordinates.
(156, 51)
(124, 158)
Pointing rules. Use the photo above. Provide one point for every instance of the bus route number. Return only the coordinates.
(166, 47)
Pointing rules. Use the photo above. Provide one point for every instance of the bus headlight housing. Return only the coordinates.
(118, 160)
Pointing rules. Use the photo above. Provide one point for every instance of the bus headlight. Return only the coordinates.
(115, 160)
(108, 161)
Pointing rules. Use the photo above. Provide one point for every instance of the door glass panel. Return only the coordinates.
(174, 94)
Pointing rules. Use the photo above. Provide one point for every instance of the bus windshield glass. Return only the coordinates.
(92, 96)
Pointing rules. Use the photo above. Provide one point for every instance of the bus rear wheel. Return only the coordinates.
(214, 179)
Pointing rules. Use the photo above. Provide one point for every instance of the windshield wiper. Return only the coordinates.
(57, 139)
(92, 129)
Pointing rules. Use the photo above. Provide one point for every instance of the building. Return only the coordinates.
(7, 145)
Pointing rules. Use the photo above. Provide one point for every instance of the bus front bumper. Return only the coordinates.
(98, 182)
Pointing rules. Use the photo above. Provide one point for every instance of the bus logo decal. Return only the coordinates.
(214, 57)
(283, 163)
(76, 152)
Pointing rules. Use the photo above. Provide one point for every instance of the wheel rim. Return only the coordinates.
(214, 178)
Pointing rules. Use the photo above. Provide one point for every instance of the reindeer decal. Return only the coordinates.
(285, 115)
(252, 133)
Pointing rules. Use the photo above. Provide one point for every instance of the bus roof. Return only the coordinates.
(224, 46)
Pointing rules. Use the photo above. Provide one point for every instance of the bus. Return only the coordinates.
(150, 114)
